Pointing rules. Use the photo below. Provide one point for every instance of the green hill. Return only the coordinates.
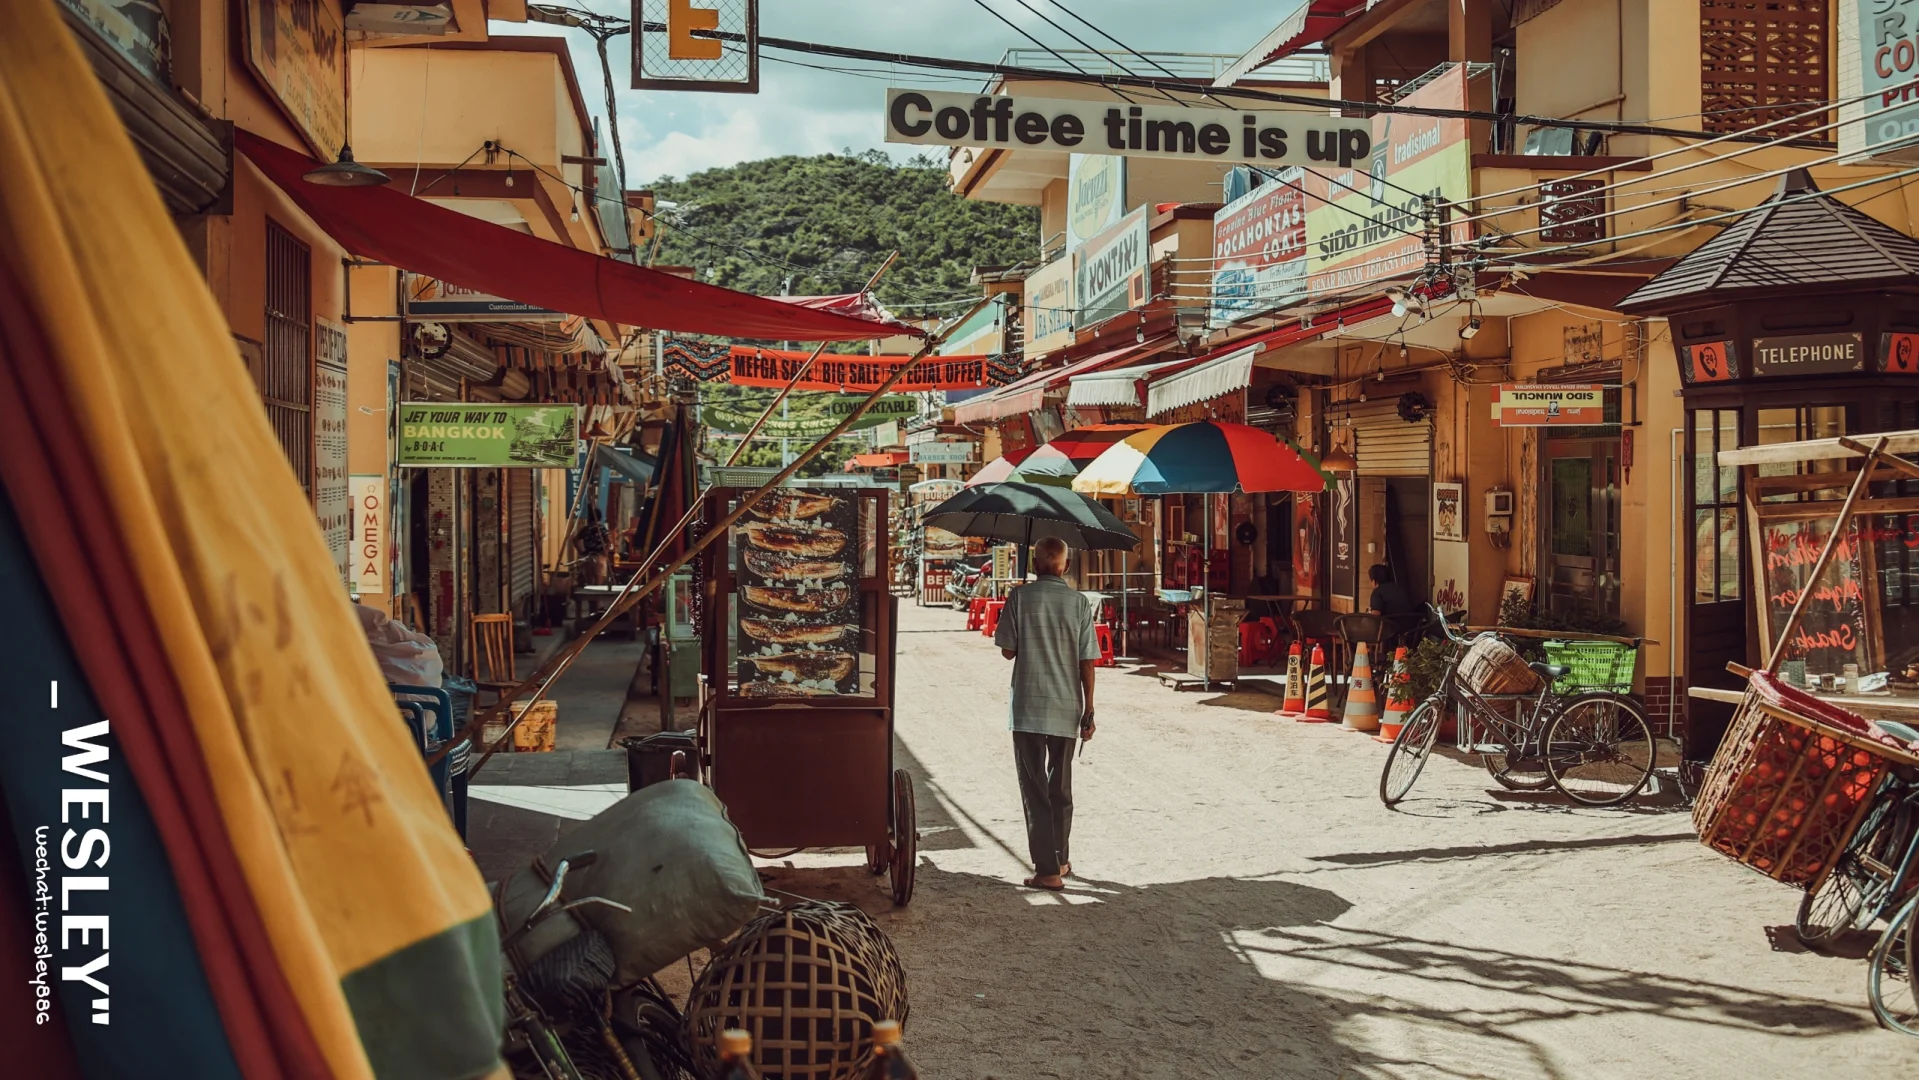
(828, 221)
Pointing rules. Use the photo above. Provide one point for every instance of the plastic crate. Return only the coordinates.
(1596, 665)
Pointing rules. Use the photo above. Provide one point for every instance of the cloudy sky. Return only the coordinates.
(804, 110)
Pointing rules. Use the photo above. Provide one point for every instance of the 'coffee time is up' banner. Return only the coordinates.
(439, 434)
(935, 118)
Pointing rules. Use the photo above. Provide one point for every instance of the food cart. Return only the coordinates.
(799, 633)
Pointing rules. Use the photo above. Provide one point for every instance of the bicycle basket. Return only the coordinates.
(1596, 665)
(1490, 666)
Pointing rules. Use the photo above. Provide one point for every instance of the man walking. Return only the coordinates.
(1046, 630)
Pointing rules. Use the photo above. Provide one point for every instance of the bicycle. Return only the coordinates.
(1595, 746)
(1875, 871)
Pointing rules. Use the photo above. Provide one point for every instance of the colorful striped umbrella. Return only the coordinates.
(996, 471)
(1082, 444)
(1201, 457)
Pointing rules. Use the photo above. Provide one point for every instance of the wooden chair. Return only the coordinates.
(490, 639)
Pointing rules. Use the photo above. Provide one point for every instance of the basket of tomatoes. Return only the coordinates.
(1790, 783)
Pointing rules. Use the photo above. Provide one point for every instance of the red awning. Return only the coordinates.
(1309, 23)
(885, 459)
(1029, 393)
(389, 226)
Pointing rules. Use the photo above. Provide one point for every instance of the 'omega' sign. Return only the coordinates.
(933, 118)
(1810, 354)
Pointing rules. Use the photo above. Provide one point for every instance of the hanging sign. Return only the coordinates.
(1095, 196)
(1899, 354)
(943, 453)
(1364, 220)
(368, 548)
(1109, 271)
(466, 436)
(1049, 307)
(823, 413)
(330, 497)
(745, 365)
(1058, 125)
(439, 301)
(1534, 405)
(1259, 250)
(1807, 354)
(299, 55)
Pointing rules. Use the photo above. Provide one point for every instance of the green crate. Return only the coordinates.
(1596, 665)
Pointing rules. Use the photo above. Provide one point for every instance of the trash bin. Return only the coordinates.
(649, 758)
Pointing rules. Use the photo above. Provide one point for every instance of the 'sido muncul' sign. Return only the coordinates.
(935, 118)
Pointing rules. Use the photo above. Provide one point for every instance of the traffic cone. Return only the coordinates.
(1316, 709)
(1293, 705)
(1399, 698)
(1362, 704)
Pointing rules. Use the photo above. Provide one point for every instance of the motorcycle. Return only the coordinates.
(565, 1018)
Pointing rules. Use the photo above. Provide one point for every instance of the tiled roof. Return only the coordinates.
(1795, 239)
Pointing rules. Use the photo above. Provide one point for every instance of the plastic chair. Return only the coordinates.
(1104, 633)
(1255, 641)
(1275, 651)
(991, 625)
(429, 714)
(976, 613)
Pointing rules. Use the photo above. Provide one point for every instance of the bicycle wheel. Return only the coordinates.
(1599, 748)
(1889, 974)
(1409, 753)
(1519, 768)
(1840, 899)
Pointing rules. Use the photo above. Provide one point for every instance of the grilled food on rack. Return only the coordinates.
(793, 539)
(817, 601)
(771, 567)
(784, 690)
(791, 505)
(825, 666)
(782, 632)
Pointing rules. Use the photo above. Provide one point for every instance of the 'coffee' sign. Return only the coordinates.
(1810, 354)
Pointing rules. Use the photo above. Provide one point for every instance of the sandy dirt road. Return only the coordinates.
(1246, 908)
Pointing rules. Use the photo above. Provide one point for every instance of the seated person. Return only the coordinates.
(1388, 597)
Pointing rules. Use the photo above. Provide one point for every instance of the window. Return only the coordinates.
(1715, 500)
(286, 376)
(1763, 60)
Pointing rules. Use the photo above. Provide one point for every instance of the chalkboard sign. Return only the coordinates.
(1834, 630)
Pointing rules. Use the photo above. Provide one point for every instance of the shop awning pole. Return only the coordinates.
(801, 373)
(542, 679)
(1839, 524)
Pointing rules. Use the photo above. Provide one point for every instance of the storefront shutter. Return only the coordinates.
(522, 559)
(1386, 445)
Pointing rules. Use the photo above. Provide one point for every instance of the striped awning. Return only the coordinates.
(1233, 371)
(1029, 393)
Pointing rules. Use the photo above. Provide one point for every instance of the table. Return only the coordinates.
(1871, 706)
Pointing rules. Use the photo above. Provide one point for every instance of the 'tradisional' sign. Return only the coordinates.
(933, 118)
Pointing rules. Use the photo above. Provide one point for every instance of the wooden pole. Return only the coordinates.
(1839, 524)
(556, 664)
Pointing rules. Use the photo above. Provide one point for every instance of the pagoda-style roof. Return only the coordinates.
(1798, 239)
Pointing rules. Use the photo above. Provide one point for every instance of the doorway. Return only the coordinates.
(1582, 533)
(1409, 534)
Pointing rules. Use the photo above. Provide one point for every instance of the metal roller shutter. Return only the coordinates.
(1386, 445)
(522, 559)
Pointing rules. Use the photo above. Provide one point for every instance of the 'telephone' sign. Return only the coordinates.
(933, 118)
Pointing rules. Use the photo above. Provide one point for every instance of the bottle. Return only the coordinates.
(736, 1055)
(889, 1057)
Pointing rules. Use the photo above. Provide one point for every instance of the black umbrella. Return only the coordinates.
(1029, 513)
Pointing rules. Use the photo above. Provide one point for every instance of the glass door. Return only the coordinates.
(1582, 540)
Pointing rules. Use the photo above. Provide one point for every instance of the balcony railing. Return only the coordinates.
(1198, 67)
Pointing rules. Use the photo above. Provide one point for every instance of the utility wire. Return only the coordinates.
(1114, 40)
(1095, 50)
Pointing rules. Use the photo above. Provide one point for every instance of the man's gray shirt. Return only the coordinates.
(1049, 627)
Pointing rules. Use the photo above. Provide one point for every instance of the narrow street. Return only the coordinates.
(1245, 907)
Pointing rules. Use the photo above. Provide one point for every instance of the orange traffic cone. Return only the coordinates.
(1399, 698)
(1362, 704)
(1294, 703)
(1316, 708)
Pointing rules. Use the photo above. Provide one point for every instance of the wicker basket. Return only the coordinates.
(1490, 666)
(808, 983)
(1790, 782)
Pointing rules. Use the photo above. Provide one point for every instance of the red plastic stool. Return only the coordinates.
(976, 613)
(991, 625)
(1255, 642)
(1274, 651)
(1105, 634)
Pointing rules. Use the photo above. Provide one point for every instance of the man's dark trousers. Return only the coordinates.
(1046, 787)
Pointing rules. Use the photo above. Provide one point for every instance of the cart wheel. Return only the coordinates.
(906, 838)
(878, 858)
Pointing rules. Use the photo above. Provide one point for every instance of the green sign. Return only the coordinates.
(469, 436)
(809, 415)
